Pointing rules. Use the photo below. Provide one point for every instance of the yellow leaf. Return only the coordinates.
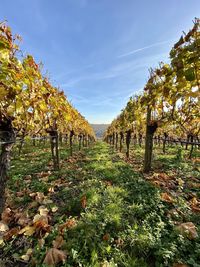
(39, 217)
(43, 211)
(1, 242)
(54, 209)
(3, 227)
(27, 230)
(25, 257)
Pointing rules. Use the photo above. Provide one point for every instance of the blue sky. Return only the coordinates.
(99, 51)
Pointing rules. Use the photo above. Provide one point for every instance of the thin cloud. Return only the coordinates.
(116, 71)
(75, 70)
(142, 48)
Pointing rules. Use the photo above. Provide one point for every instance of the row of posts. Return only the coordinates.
(118, 139)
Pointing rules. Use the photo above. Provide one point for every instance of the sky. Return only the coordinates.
(99, 51)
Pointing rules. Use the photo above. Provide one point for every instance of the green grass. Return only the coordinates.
(124, 223)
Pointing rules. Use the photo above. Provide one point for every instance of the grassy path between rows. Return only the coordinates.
(107, 214)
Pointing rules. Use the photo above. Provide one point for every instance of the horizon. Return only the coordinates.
(99, 53)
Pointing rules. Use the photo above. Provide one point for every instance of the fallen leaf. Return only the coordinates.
(51, 190)
(166, 197)
(108, 183)
(195, 208)
(119, 242)
(39, 197)
(83, 202)
(43, 211)
(42, 227)
(19, 194)
(194, 201)
(3, 227)
(12, 232)
(26, 257)
(28, 230)
(54, 256)
(54, 209)
(32, 195)
(7, 216)
(68, 225)
(27, 177)
(195, 204)
(2, 244)
(42, 174)
(39, 217)
(58, 242)
(106, 237)
(188, 229)
(23, 220)
(161, 176)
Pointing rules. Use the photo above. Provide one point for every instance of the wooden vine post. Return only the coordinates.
(150, 130)
(113, 139)
(7, 137)
(121, 141)
(86, 140)
(116, 141)
(192, 145)
(164, 142)
(71, 142)
(79, 141)
(53, 133)
(128, 140)
(110, 140)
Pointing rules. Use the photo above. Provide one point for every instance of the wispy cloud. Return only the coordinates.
(117, 70)
(89, 66)
(77, 99)
(143, 48)
(60, 75)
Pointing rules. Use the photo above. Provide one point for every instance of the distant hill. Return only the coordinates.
(99, 129)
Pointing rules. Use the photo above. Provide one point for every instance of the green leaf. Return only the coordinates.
(190, 74)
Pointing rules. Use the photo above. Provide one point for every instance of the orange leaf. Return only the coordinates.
(42, 227)
(12, 232)
(106, 237)
(68, 225)
(166, 197)
(195, 208)
(83, 201)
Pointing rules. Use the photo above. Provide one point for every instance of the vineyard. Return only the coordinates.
(129, 200)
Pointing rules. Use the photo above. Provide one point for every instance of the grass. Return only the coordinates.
(115, 215)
